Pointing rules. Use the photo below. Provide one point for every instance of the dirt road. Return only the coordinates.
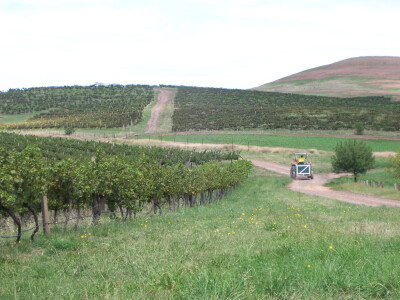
(163, 98)
(316, 187)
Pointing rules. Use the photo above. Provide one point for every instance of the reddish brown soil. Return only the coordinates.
(316, 187)
(163, 98)
(370, 66)
(353, 77)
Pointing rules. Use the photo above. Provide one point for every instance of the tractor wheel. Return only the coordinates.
(293, 172)
(311, 175)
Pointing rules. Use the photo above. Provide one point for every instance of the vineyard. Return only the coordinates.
(78, 175)
(118, 106)
(77, 106)
(217, 109)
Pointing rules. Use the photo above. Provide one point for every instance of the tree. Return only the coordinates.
(353, 156)
(359, 127)
(69, 130)
(395, 165)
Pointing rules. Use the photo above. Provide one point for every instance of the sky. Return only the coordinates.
(207, 43)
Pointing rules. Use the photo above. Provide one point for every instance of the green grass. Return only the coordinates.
(140, 128)
(320, 163)
(380, 173)
(348, 184)
(19, 118)
(299, 142)
(262, 242)
(164, 123)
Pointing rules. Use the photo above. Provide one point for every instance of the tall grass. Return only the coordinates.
(263, 241)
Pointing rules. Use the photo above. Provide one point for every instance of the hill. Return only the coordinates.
(360, 76)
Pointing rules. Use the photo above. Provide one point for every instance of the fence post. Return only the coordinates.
(45, 216)
(394, 186)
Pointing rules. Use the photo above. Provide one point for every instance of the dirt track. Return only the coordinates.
(163, 98)
(316, 187)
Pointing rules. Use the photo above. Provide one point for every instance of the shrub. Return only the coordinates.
(395, 165)
(69, 130)
(359, 127)
(353, 156)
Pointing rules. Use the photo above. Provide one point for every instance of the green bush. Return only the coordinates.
(359, 127)
(69, 130)
(353, 156)
(395, 165)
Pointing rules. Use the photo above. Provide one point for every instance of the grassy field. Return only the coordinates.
(347, 184)
(16, 118)
(299, 142)
(379, 174)
(261, 242)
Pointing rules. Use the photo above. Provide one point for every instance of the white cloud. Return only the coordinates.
(237, 44)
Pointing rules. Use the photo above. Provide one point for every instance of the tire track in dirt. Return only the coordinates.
(316, 187)
(162, 99)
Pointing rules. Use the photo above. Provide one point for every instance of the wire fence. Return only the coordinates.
(379, 184)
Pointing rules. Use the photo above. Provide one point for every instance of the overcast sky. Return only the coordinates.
(214, 43)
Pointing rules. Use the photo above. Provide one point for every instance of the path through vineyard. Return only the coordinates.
(316, 187)
(163, 98)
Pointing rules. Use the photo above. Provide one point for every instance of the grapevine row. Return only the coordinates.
(77, 106)
(107, 180)
(218, 109)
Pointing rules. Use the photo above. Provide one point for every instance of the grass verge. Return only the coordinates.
(377, 175)
(297, 142)
(17, 118)
(263, 241)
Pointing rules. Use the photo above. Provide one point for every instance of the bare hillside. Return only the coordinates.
(360, 76)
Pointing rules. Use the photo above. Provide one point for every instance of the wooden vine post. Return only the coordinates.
(45, 216)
